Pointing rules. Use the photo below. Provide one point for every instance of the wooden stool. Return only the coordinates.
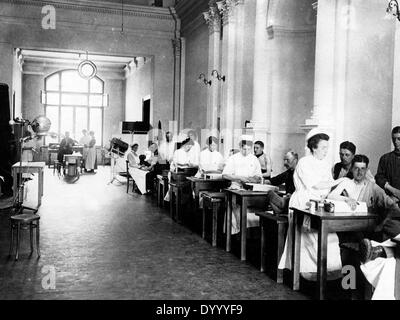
(212, 201)
(175, 198)
(279, 224)
(23, 221)
(162, 189)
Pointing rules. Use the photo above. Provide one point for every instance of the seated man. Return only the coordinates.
(211, 161)
(265, 160)
(381, 267)
(241, 168)
(66, 145)
(280, 204)
(362, 189)
(343, 168)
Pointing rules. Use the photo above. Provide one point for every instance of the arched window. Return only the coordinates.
(73, 104)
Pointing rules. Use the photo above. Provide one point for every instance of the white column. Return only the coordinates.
(333, 27)
(396, 77)
(182, 91)
(238, 12)
(261, 63)
(177, 80)
(214, 52)
(228, 69)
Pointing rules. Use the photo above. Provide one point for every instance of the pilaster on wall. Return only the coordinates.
(177, 45)
(6, 67)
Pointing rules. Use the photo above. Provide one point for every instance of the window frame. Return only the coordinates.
(87, 106)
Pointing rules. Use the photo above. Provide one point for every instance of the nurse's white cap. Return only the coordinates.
(246, 137)
(313, 132)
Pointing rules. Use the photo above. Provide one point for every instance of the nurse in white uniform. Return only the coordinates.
(313, 180)
(242, 167)
(211, 161)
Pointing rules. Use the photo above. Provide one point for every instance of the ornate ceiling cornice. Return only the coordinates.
(99, 7)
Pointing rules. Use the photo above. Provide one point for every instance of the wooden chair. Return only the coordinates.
(273, 226)
(24, 221)
(128, 177)
(214, 201)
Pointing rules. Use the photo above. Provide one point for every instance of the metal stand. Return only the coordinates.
(115, 153)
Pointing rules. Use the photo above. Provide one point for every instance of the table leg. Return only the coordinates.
(178, 205)
(229, 222)
(263, 236)
(203, 230)
(297, 246)
(281, 244)
(322, 260)
(15, 188)
(171, 205)
(215, 224)
(40, 182)
(243, 228)
(42, 172)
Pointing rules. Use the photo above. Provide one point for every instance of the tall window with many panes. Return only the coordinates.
(73, 104)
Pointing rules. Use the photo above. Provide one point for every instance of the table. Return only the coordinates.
(29, 167)
(201, 184)
(325, 222)
(245, 198)
(72, 161)
(50, 151)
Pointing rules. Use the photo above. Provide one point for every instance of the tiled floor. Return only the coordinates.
(103, 243)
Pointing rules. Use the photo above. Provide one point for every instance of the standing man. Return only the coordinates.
(166, 150)
(91, 156)
(265, 161)
(84, 141)
(388, 175)
(278, 203)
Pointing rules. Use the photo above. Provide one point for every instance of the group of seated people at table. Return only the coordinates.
(352, 182)
(305, 179)
(88, 143)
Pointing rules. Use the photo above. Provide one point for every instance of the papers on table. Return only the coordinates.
(262, 187)
(341, 206)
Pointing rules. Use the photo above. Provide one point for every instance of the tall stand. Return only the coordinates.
(113, 160)
(18, 206)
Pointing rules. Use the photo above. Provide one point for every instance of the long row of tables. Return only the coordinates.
(323, 222)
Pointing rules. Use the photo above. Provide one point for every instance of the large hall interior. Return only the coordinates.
(196, 150)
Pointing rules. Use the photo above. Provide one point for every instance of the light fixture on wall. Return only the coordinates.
(217, 75)
(393, 9)
(202, 78)
(87, 69)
